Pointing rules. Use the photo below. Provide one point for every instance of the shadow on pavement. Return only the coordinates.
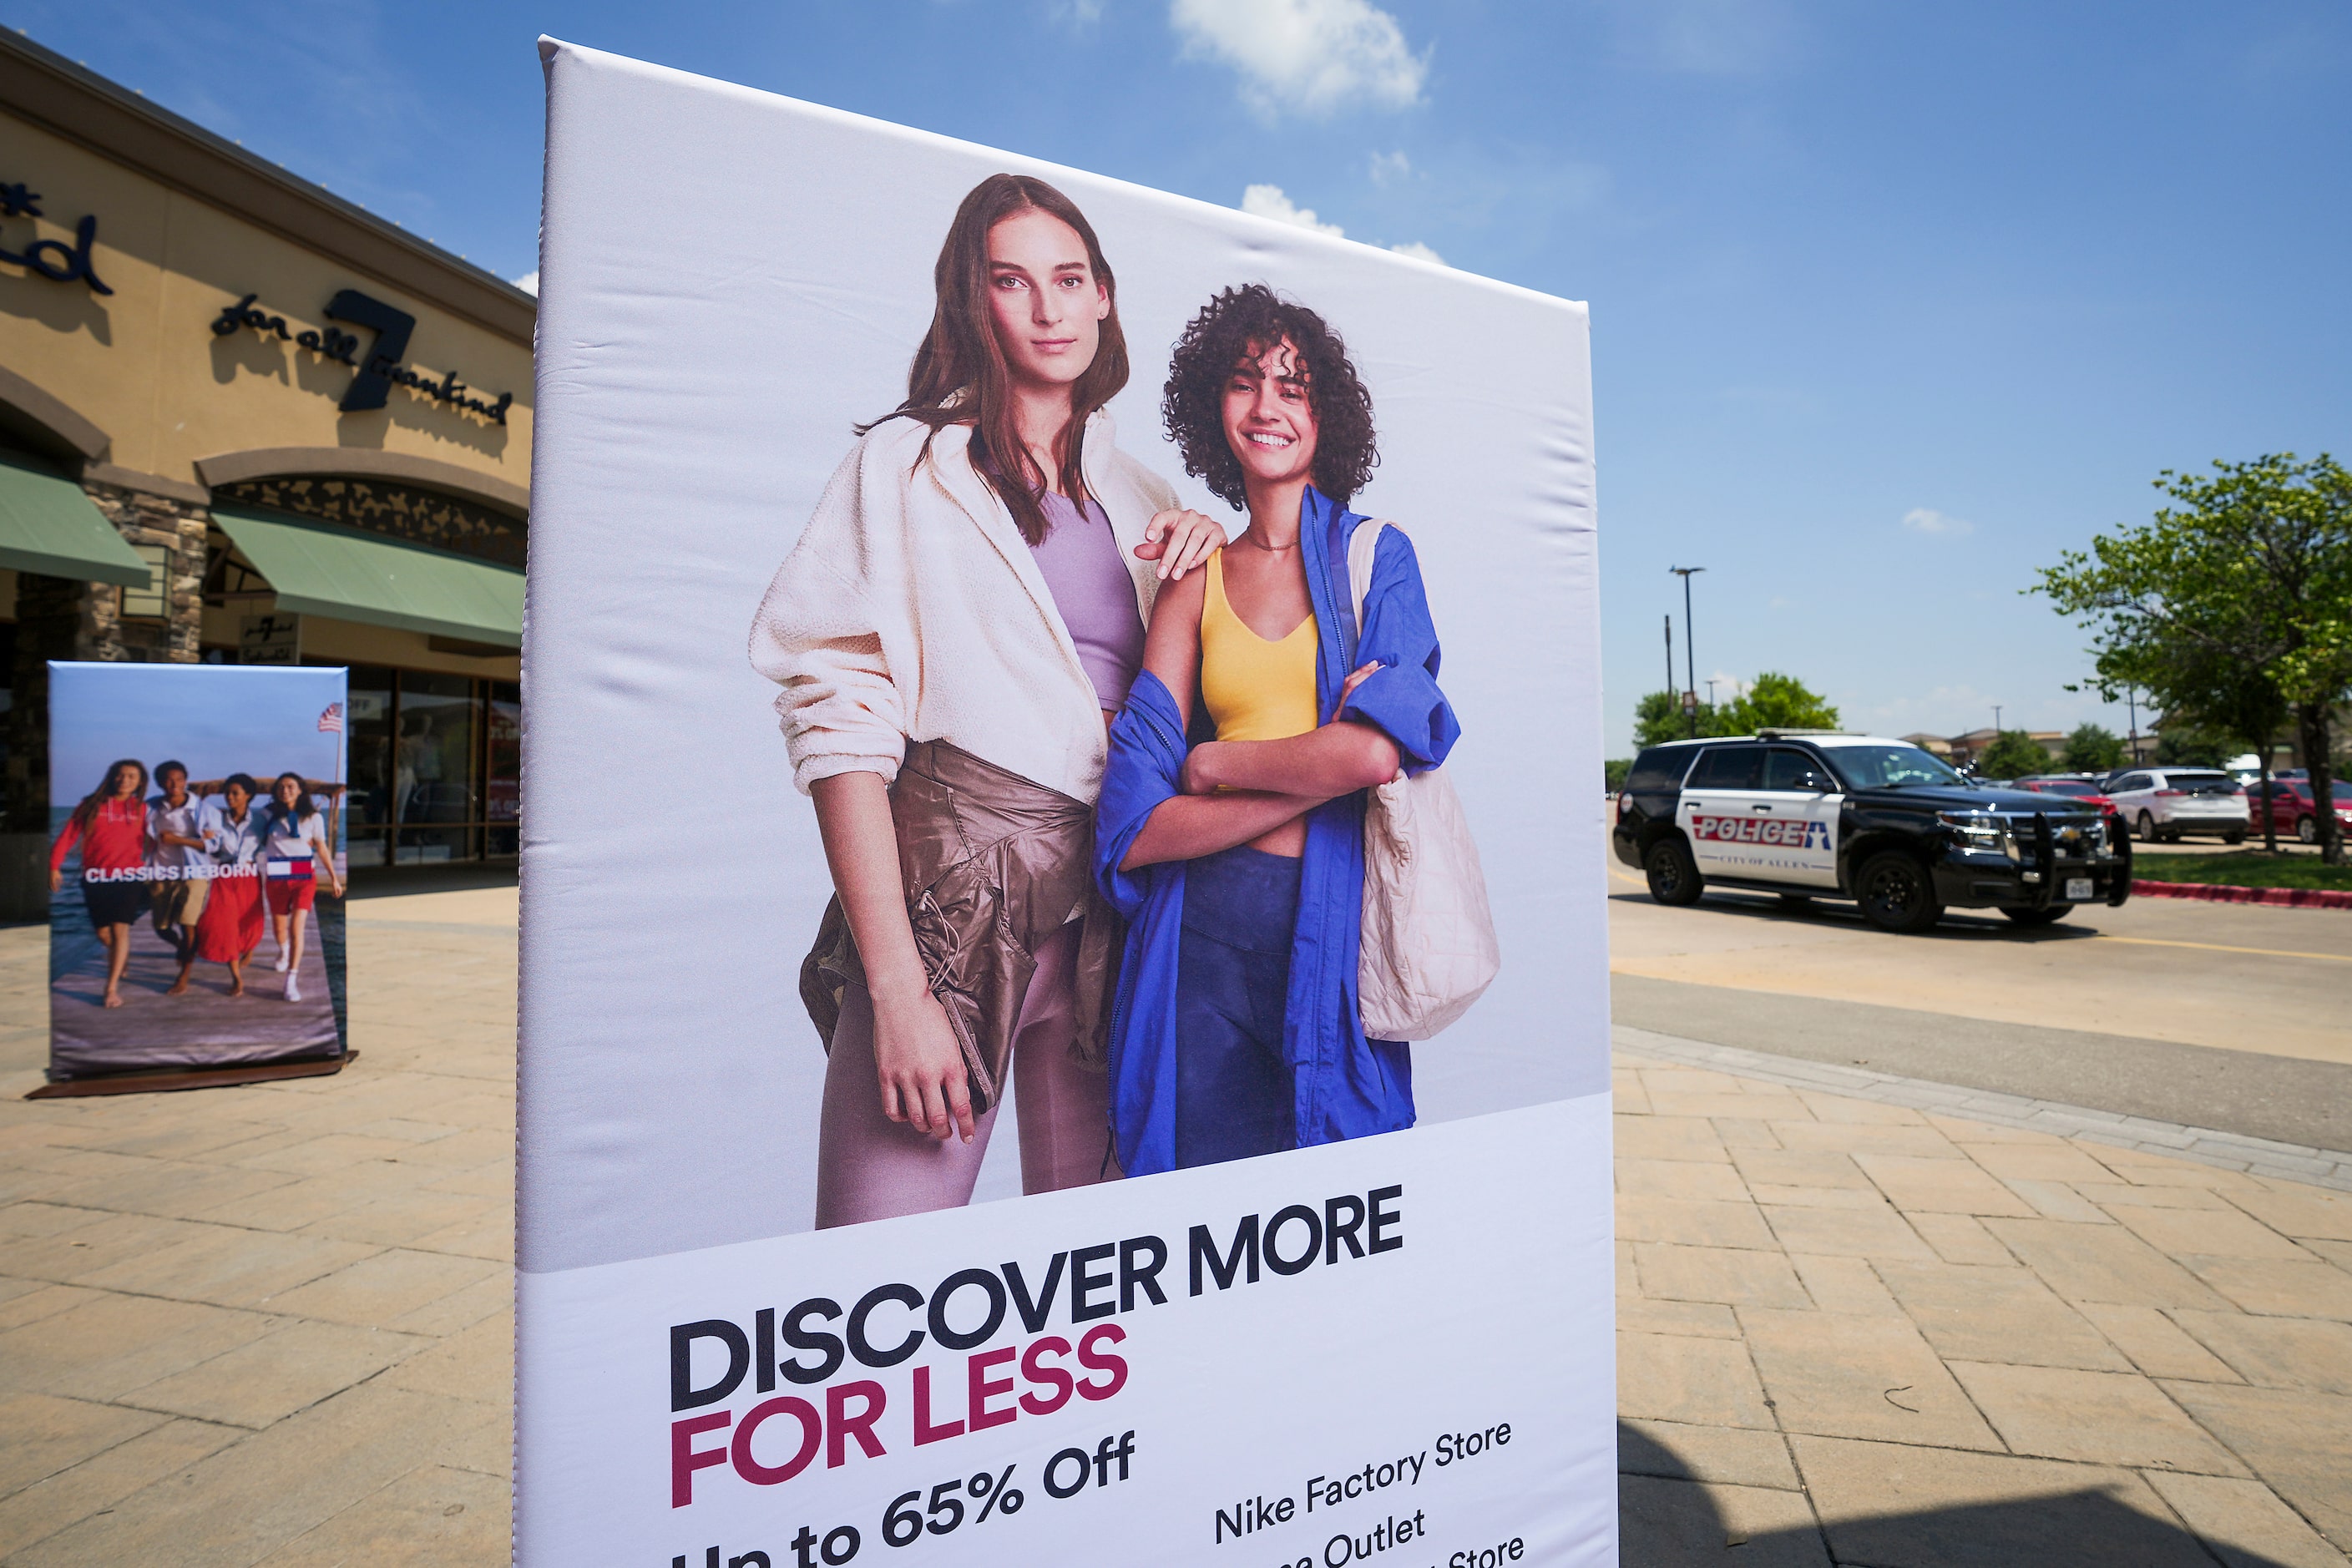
(1667, 1521)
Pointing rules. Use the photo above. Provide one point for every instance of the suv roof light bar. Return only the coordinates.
(1779, 734)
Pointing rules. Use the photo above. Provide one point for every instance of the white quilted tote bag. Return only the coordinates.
(1429, 948)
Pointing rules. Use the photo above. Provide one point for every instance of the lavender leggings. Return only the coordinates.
(870, 1167)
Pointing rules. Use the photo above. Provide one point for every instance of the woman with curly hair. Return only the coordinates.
(1238, 860)
(953, 631)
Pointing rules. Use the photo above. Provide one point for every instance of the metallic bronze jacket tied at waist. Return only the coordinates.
(991, 865)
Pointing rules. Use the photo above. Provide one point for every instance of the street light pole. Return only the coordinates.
(1690, 654)
(1670, 653)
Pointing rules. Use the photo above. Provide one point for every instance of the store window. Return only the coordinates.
(502, 786)
(436, 767)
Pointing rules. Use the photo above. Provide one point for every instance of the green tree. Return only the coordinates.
(2180, 746)
(1658, 718)
(2247, 581)
(1776, 701)
(2093, 749)
(2013, 754)
(1779, 702)
(1616, 770)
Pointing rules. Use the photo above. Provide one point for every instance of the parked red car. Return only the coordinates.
(2293, 810)
(2072, 788)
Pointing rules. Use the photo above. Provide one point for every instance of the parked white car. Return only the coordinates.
(2170, 804)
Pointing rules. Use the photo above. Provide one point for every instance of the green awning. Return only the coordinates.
(48, 525)
(320, 570)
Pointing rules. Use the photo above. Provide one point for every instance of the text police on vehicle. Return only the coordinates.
(1811, 813)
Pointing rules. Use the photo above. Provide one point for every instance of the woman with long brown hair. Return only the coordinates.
(111, 825)
(959, 619)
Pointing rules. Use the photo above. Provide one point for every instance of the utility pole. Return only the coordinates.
(1710, 694)
(1690, 654)
(1670, 653)
(1996, 721)
(2131, 696)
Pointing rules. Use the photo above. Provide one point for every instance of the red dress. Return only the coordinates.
(231, 924)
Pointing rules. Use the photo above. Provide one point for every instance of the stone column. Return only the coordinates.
(177, 525)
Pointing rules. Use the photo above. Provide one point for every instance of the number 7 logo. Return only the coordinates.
(392, 327)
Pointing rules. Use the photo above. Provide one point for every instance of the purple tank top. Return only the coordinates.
(1079, 558)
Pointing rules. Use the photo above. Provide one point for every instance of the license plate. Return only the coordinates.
(2078, 890)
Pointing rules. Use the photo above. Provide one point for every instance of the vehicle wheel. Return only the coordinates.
(2236, 836)
(2307, 831)
(1673, 875)
(2146, 829)
(1898, 894)
(2030, 917)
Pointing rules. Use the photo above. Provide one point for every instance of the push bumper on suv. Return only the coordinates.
(2039, 864)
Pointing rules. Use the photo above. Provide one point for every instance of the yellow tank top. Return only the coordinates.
(1256, 689)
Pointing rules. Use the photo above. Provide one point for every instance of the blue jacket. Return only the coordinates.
(1346, 1086)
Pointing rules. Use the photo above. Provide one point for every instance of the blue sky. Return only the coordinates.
(1891, 303)
(217, 719)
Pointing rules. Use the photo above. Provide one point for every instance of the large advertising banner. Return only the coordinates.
(195, 872)
(1063, 1003)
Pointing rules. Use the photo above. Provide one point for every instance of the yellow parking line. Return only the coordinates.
(2218, 947)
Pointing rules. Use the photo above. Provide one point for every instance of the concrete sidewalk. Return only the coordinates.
(271, 1325)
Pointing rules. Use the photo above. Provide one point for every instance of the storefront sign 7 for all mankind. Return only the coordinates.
(51, 258)
(381, 368)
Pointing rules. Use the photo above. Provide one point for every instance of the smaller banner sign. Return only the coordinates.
(195, 867)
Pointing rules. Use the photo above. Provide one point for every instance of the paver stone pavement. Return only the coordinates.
(271, 1323)
(1979, 1345)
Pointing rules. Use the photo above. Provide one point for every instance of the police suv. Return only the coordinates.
(1818, 815)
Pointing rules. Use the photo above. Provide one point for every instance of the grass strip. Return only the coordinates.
(2243, 868)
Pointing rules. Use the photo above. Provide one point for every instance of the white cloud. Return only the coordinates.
(1078, 13)
(1311, 56)
(529, 282)
(1390, 167)
(1267, 201)
(1927, 520)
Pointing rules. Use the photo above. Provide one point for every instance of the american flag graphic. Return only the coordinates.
(330, 722)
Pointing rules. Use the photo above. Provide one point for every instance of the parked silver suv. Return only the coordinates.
(2172, 802)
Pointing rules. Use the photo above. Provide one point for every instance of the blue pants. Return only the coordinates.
(1233, 1091)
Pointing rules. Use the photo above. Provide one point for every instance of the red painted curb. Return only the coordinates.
(2212, 892)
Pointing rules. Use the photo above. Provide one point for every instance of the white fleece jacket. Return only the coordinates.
(912, 608)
